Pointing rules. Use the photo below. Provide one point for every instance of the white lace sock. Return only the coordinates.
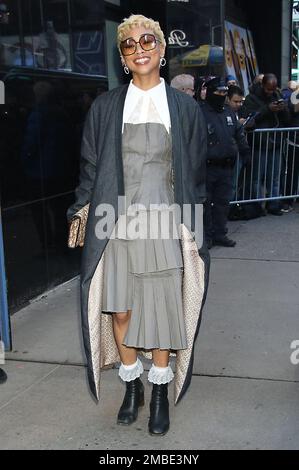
(131, 372)
(160, 375)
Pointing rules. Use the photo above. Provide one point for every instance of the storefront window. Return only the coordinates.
(85, 12)
(10, 44)
(46, 29)
(52, 49)
(295, 48)
(65, 35)
(89, 52)
(41, 128)
(194, 37)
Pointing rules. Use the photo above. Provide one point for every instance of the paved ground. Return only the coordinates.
(244, 391)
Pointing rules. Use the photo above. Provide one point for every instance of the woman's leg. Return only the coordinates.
(120, 325)
(130, 371)
(160, 357)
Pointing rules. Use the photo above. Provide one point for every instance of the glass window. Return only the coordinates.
(10, 45)
(57, 12)
(194, 31)
(65, 35)
(41, 126)
(85, 12)
(89, 52)
(52, 49)
(49, 34)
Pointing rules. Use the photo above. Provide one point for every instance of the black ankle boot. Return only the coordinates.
(159, 410)
(134, 398)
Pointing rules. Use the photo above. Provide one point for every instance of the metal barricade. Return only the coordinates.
(273, 170)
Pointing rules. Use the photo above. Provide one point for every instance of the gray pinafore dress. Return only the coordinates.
(144, 275)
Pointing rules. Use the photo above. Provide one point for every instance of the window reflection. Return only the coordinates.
(41, 126)
(89, 54)
(10, 44)
(4, 14)
(194, 38)
(85, 12)
(52, 50)
(54, 35)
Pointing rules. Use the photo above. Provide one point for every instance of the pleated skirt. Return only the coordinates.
(145, 276)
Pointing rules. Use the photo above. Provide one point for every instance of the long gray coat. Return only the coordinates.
(101, 181)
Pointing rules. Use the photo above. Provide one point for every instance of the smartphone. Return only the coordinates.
(250, 119)
(247, 120)
(279, 101)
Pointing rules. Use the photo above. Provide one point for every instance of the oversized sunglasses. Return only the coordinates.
(147, 42)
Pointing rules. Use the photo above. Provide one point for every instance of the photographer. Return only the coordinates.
(272, 112)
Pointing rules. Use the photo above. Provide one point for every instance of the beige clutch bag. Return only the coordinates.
(77, 227)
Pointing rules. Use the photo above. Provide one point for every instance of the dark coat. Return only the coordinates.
(226, 136)
(101, 181)
(258, 102)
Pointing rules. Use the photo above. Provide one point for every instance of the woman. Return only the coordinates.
(142, 295)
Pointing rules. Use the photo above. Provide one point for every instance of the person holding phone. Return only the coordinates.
(272, 112)
(235, 100)
(269, 103)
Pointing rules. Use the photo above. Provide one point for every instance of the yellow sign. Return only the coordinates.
(197, 58)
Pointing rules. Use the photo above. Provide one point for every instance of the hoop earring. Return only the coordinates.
(162, 61)
(126, 70)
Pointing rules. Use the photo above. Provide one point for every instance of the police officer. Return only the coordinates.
(225, 139)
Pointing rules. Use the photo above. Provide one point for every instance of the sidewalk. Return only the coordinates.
(244, 392)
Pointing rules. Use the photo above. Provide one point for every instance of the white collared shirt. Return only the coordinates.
(143, 106)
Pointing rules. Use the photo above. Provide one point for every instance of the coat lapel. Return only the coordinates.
(118, 140)
(176, 143)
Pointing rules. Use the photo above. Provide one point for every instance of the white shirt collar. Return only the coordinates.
(152, 92)
(158, 96)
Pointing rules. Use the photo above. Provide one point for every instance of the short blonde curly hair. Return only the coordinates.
(135, 21)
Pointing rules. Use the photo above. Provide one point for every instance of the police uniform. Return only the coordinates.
(225, 139)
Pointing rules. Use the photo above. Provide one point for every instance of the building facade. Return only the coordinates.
(56, 56)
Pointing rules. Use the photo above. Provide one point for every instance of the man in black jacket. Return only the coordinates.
(226, 139)
(271, 112)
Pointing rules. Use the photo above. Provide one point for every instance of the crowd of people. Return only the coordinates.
(241, 164)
